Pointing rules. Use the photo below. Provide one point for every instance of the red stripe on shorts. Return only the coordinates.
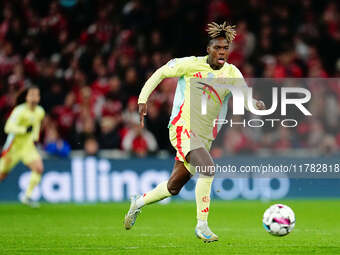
(179, 141)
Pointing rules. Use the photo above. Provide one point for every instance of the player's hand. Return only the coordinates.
(29, 129)
(260, 105)
(142, 109)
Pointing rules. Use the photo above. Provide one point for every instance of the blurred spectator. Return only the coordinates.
(138, 141)
(85, 127)
(236, 142)
(54, 145)
(328, 145)
(131, 112)
(283, 140)
(132, 85)
(53, 96)
(91, 146)
(109, 136)
(65, 115)
(112, 106)
(157, 118)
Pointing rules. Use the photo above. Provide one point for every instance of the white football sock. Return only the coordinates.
(201, 223)
(140, 202)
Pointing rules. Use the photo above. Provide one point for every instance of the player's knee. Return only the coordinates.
(173, 190)
(39, 168)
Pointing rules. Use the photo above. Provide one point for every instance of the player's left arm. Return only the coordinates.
(241, 83)
(174, 68)
(37, 124)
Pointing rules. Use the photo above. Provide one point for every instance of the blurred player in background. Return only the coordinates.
(23, 128)
(192, 133)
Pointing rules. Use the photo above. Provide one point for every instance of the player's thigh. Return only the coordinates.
(32, 159)
(184, 141)
(179, 177)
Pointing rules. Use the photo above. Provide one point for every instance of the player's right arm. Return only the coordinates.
(12, 125)
(174, 68)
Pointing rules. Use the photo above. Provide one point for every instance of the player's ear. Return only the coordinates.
(208, 49)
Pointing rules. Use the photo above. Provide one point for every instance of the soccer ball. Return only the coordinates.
(279, 220)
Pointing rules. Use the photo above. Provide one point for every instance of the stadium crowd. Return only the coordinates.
(91, 59)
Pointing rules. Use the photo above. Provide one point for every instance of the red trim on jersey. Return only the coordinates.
(174, 121)
(179, 141)
(4, 152)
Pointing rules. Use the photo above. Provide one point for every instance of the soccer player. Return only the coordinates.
(23, 128)
(192, 133)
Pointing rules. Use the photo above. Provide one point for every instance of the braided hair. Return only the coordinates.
(227, 31)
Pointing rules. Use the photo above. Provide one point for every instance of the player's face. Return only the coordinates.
(218, 52)
(33, 96)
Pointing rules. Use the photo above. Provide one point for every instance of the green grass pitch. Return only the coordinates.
(166, 229)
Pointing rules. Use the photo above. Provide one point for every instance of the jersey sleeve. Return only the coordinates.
(12, 125)
(37, 123)
(241, 83)
(176, 67)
